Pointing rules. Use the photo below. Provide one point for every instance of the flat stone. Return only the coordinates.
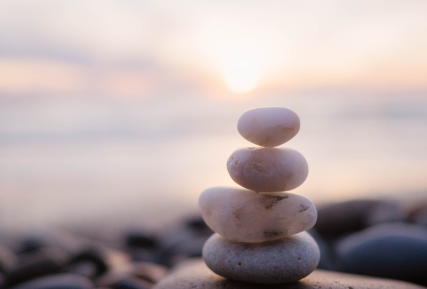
(267, 169)
(241, 215)
(397, 251)
(269, 126)
(287, 260)
(196, 275)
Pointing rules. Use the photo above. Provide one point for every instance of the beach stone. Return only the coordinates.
(397, 251)
(327, 256)
(287, 260)
(60, 281)
(267, 169)
(141, 239)
(46, 261)
(338, 219)
(196, 275)
(183, 239)
(269, 126)
(242, 215)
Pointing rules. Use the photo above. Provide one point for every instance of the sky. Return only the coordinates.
(140, 49)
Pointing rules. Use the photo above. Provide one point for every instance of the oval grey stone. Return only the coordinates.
(282, 261)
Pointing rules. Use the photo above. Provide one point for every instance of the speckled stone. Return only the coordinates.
(269, 126)
(286, 260)
(246, 216)
(195, 275)
(267, 169)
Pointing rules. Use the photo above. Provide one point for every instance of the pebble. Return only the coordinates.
(60, 281)
(92, 256)
(282, 261)
(141, 239)
(47, 261)
(269, 126)
(196, 275)
(338, 219)
(241, 215)
(184, 239)
(397, 251)
(267, 169)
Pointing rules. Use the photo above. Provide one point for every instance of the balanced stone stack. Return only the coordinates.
(260, 229)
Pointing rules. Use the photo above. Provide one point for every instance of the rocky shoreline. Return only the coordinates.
(376, 238)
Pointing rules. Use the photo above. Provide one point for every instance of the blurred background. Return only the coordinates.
(124, 111)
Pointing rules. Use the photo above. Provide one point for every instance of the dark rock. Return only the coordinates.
(144, 255)
(92, 256)
(30, 244)
(39, 263)
(327, 255)
(397, 251)
(84, 268)
(338, 219)
(140, 239)
(131, 283)
(96, 261)
(196, 275)
(60, 281)
(184, 241)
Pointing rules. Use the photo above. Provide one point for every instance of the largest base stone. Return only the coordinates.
(282, 261)
(195, 275)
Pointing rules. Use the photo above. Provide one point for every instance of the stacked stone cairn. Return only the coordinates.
(260, 229)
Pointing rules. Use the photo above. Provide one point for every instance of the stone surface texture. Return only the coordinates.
(194, 274)
(246, 216)
(267, 169)
(282, 261)
(269, 126)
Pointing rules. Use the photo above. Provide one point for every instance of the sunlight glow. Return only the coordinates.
(242, 75)
(240, 53)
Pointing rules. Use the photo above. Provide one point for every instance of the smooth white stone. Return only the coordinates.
(282, 261)
(267, 169)
(269, 126)
(246, 216)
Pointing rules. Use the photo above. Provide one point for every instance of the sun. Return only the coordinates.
(241, 77)
(241, 71)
